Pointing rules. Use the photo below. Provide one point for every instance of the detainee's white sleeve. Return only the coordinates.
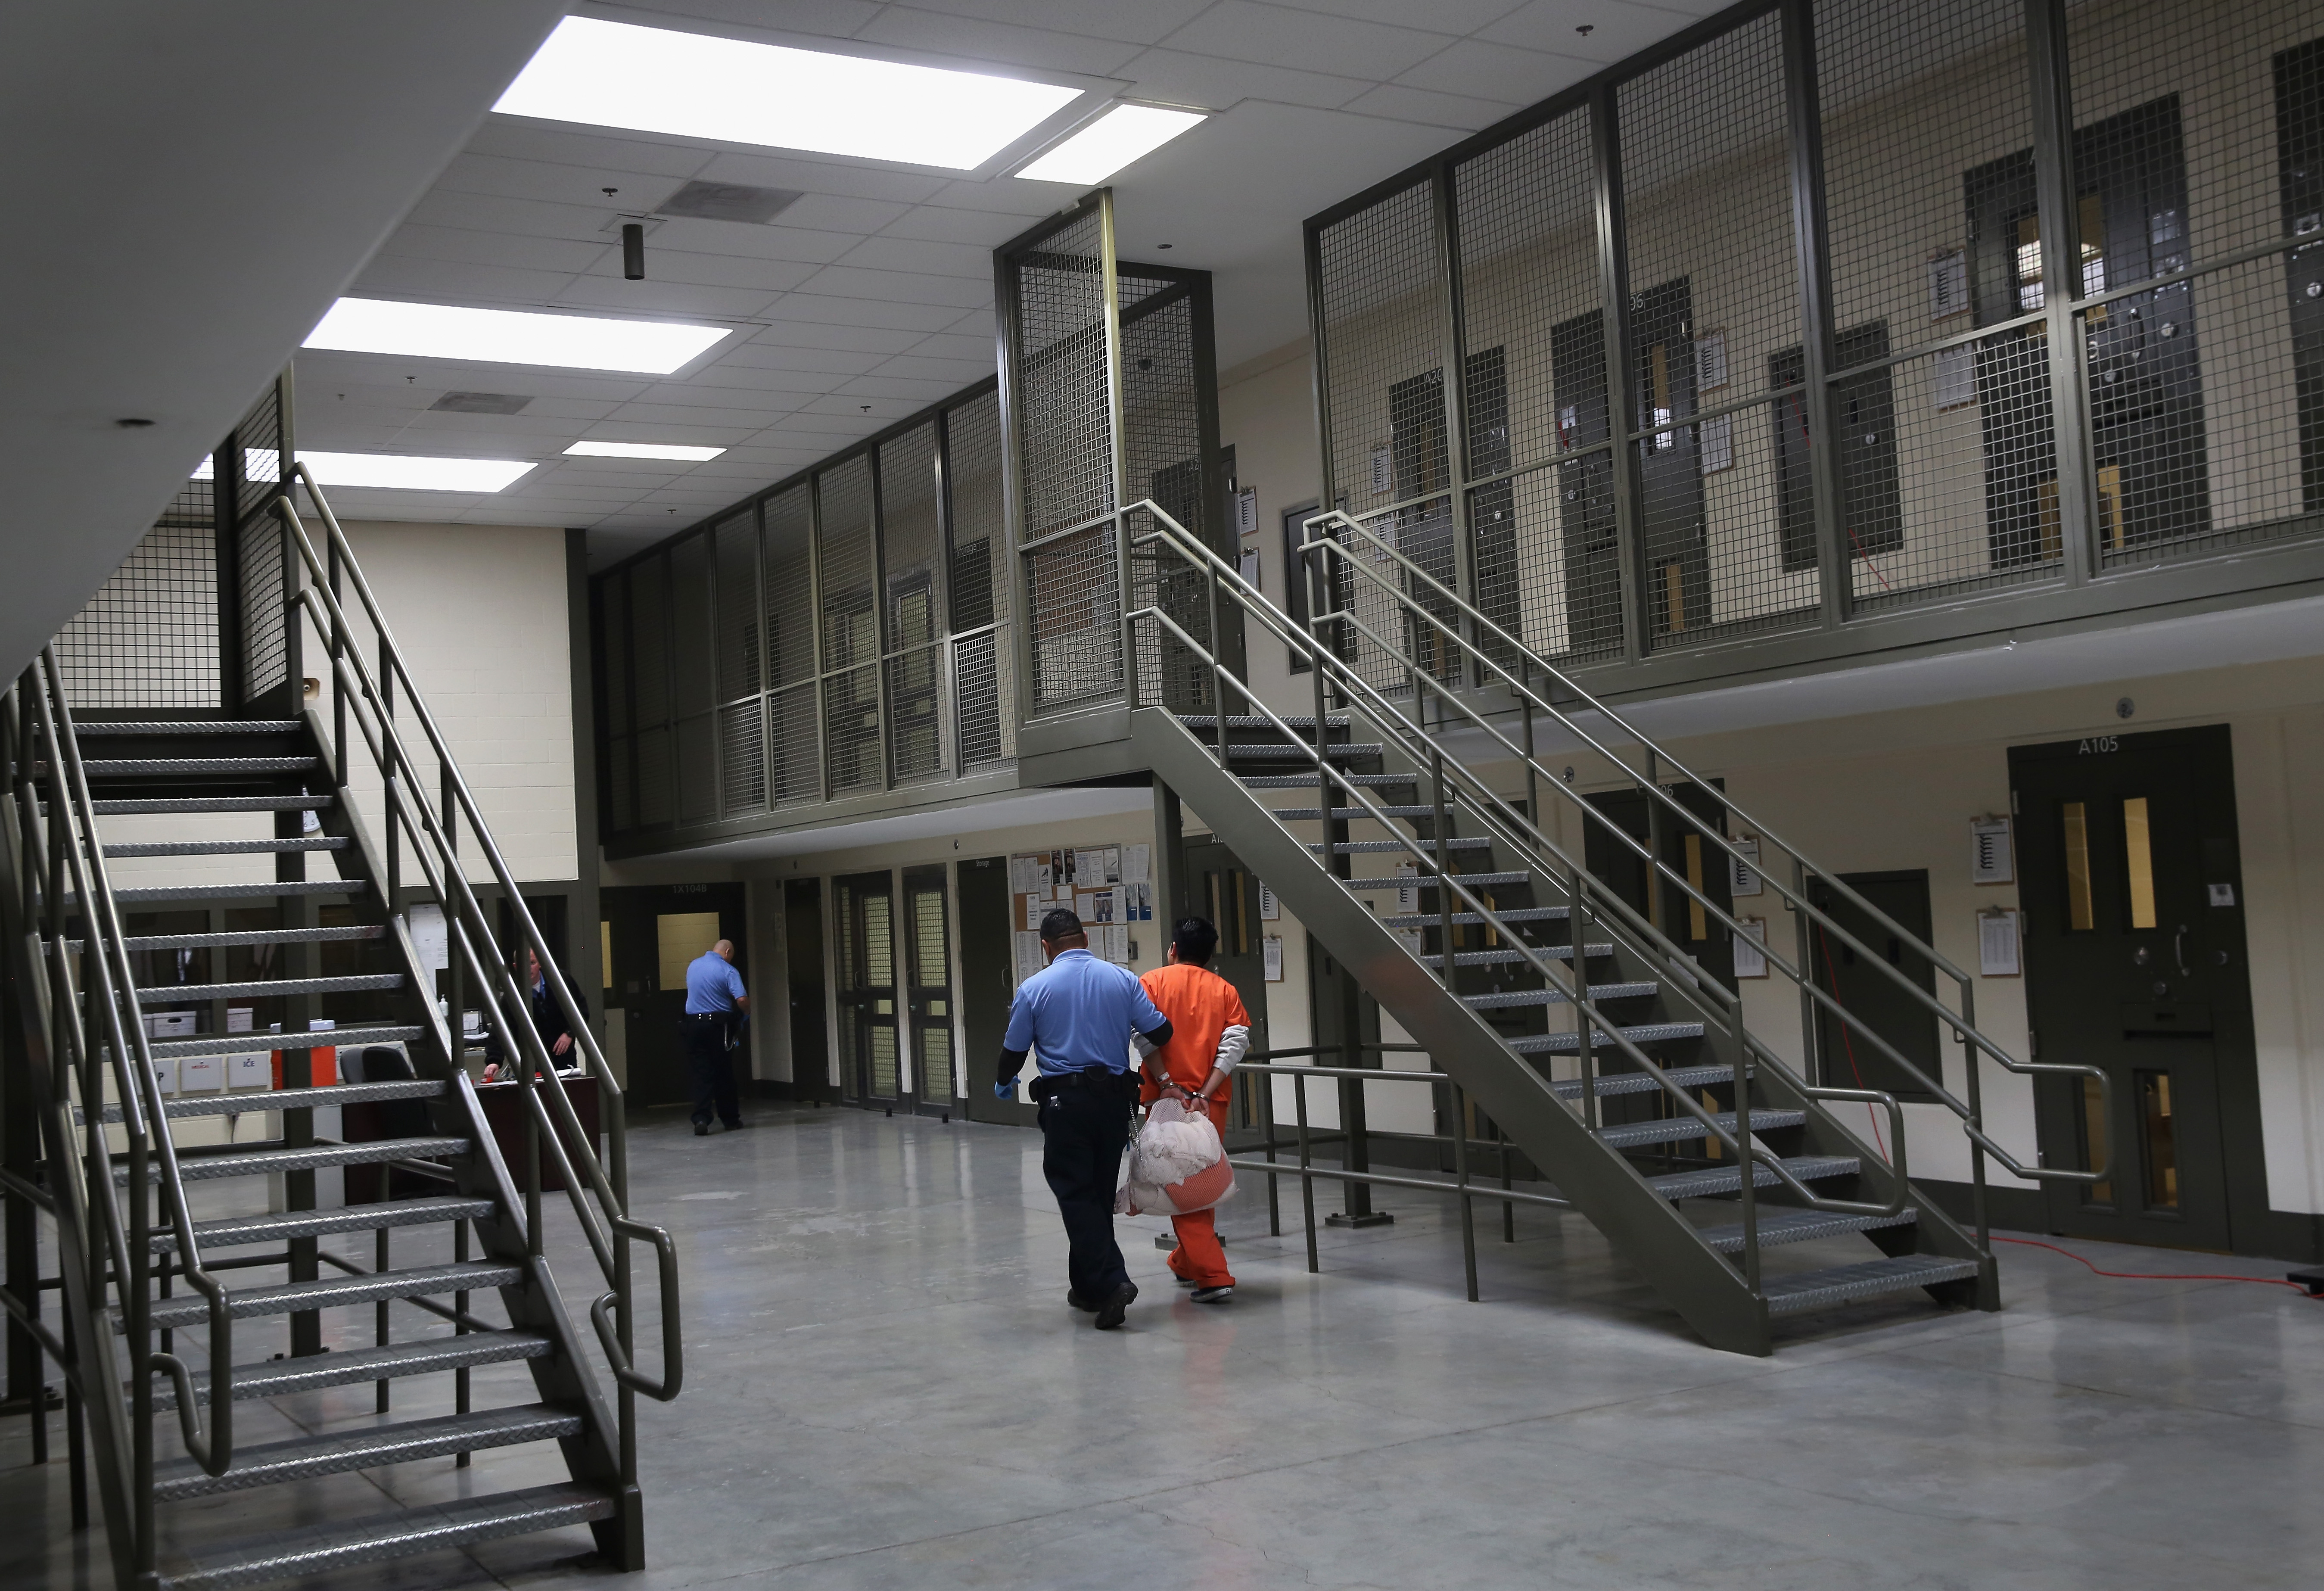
(1233, 1043)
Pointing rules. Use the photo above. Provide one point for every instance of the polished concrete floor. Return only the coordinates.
(884, 1388)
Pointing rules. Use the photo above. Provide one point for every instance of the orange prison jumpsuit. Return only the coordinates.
(1201, 1005)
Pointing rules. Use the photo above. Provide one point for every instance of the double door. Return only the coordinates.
(895, 990)
(2134, 947)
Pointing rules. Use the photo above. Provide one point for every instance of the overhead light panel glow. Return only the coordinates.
(510, 337)
(671, 450)
(610, 74)
(407, 472)
(1124, 134)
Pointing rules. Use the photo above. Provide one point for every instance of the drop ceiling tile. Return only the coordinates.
(1616, 29)
(829, 333)
(1397, 102)
(983, 229)
(958, 373)
(808, 175)
(487, 431)
(1447, 16)
(595, 148)
(831, 309)
(529, 218)
(908, 389)
(1002, 196)
(692, 270)
(449, 282)
(662, 298)
(1499, 71)
(1143, 23)
(975, 39)
(795, 361)
(955, 345)
(935, 259)
(1184, 78)
(835, 19)
(841, 212)
(512, 250)
(691, 427)
(1244, 30)
(570, 483)
(768, 385)
(902, 287)
(555, 182)
(733, 238)
(750, 406)
(570, 409)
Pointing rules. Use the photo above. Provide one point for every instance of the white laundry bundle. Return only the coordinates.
(1176, 1166)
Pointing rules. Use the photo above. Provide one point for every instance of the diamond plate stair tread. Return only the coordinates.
(1255, 721)
(1239, 750)
(1510, 998)
(229, 847)
(270, 1464)
(209, 1167)
(1682, 1076)
(1476, 919)
(1365, 847)
(122, 767)
(154, 806)
(1470, 879)
(1681, 1129)
(1807, 1168)
(429, 1528)
(419, 1356)
(245, 1043)
(1503, 958)
(238, 891)
(1314, 814)
(236, 1230)
(1654, 1032)
(254, 936)
(1781, 1226)
(1312, 780)
(236, 1101)
(85, 728)
(1810, 1290)
(180, 992)
(325, 1293)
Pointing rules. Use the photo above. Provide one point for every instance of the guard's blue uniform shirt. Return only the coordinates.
(1079, 1012)
(712, 986)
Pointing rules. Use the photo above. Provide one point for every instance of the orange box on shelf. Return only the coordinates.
(325, 1070)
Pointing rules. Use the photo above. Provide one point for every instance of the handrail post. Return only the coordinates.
(1442, 852)
(1306, 1178)
(1218, 686)
(1274, 1180)
(1745, 1152)
(1461, 1181)
(1974, 1089)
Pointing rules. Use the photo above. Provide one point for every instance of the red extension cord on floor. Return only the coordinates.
(2150, 1276)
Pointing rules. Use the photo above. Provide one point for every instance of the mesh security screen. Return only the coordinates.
(1714, 307)
(911, 577)
(795, 736)
(265, 662)
(1064, 452)
(1162, 431)
(846, 573)
(148, 638)
(735, 591)
(1542, 551)
(984, 658)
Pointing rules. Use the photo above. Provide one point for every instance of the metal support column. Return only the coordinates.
(2055, 194)
(1834, 562)
(1621, 403)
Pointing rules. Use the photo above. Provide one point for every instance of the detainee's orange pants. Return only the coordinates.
(1198, 1256)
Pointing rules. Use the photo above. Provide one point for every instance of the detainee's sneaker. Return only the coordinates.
(1186, 1281)
(1215, 1295)
(1117, 1304)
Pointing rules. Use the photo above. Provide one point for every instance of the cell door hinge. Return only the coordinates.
(2012, 803)
(2033, 1045)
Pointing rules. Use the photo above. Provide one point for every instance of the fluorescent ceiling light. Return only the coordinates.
(510, 337)
(406, 472)
(610, 74)
(1125, 133)
(640, 450)
(258, 464)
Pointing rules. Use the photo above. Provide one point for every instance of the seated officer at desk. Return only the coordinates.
(547, 1021)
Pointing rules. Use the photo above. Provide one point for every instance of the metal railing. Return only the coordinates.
(86, 1038)
(365, 700)
(1588, 897)
(1331, 561)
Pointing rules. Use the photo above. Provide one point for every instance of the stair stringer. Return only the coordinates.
(1649, 1231)
(565, 1378)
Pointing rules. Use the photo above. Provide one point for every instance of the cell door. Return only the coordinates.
(928, 1002)
(803, 935)
(1846, 1056)
(1686, 852)
(1670, 462)
(1228, 893)
(1587, 531)
(871, 1058)
(2133, 957)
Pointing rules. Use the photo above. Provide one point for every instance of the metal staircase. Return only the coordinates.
(1597, 1046)
(186, 1234)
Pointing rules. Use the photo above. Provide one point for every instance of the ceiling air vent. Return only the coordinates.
(727, 201)
(480, 403)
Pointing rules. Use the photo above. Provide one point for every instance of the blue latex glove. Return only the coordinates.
(1005, 1090)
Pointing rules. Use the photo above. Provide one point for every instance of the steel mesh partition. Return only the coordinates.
(620, 757)
(735, 593)
(1543, 553)
(649, 687)
(911, 576)
(1163, 441)
(1714, 320)
(149, 637)
(983, 658)
(846, 567)
(1062, 408)
(794, 718)
(261, 557)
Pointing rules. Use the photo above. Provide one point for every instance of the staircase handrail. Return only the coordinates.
(1963, 1022)
(360, 688)
(152, 1156)
(1573, 983)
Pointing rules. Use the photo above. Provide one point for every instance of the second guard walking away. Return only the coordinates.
(715, 1006)
(1210, 1031)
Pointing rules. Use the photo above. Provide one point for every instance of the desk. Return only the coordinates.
(504, 1114)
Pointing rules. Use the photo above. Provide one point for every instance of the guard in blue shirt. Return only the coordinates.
(716, 1006)
(1078, 1014)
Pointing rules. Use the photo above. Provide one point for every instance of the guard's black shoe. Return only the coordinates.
(1086, 1306)
(1116, 1305)
(702, 1129)
(736, 1126)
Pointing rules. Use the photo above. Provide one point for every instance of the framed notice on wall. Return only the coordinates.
(1751, 947)
(1997, 943)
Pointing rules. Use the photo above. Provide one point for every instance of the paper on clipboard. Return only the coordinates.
(1998, 945)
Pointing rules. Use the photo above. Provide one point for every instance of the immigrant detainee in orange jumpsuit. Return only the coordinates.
(1209, 1033)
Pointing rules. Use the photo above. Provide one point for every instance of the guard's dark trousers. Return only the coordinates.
(1083, 1131)
(712, 1065)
